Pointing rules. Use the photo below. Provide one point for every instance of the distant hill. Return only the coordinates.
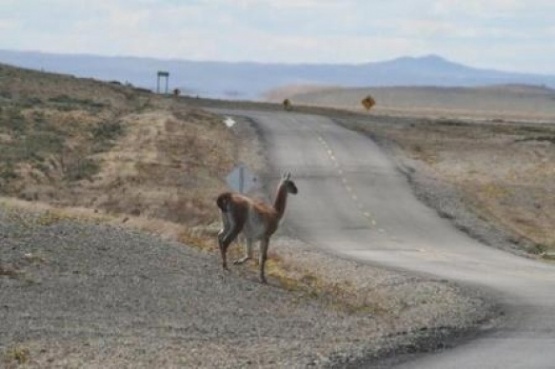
(252, 80)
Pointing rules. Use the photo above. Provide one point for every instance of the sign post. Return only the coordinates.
(165, 75)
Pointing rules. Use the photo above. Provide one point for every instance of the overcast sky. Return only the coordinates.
(514, 35)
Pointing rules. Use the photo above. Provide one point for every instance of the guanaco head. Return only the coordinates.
(289, 184)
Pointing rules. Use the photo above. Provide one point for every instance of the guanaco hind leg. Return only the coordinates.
(221, 236)
(226, 235)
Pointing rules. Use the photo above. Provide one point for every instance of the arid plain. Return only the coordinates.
(79, 153)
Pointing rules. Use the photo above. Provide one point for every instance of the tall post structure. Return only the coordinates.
(162, 74)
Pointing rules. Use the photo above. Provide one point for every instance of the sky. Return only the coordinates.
(511, 35)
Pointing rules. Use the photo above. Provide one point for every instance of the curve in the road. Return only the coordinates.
(357, 204)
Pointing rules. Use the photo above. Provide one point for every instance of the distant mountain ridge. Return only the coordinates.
(247, 80)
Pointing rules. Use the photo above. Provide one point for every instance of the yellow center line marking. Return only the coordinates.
(345, 182)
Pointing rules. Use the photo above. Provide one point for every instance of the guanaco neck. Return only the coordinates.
(281, 200)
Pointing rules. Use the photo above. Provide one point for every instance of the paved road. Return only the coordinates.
(354, 202)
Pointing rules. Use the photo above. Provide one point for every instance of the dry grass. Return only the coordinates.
(81, 143)
(169, 166)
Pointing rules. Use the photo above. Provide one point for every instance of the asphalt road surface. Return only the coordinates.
(355, 203)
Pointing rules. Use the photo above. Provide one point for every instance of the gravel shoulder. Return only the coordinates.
(84, 295)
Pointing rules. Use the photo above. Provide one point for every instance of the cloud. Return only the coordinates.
(313, 31)
(477, 8)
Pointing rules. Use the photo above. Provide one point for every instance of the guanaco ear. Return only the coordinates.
(287, 176)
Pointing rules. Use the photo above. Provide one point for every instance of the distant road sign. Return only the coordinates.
(241, 179)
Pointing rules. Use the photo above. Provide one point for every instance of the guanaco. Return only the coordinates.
(257, 220)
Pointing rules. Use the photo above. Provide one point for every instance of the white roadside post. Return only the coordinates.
(229, 122)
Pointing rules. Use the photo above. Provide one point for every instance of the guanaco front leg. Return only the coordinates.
(264, 243)
(248, 252)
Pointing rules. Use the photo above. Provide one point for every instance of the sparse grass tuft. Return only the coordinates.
(81, 168)
(550, 256)
(9, 271)
(7, 172)
(493, 191)
(19, 355)
(66, 103)
(198, 240)
(51, 217)
(550, 139)
(538, 249)
(104, 134)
